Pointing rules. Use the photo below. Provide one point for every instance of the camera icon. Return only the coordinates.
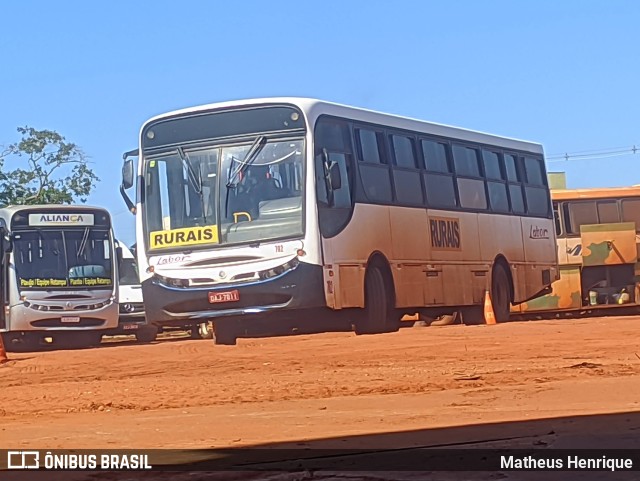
(23, 459)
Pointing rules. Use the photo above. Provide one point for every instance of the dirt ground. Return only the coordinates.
(560, 383)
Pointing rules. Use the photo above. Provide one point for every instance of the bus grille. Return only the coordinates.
(56, 322)
(57, 307)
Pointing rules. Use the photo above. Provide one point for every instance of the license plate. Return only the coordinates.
(129, 327)
(70, 319)
(227, 296)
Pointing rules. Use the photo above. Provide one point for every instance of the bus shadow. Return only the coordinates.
(107, 341)
(468, 452)
(442, 453)
(256, 329)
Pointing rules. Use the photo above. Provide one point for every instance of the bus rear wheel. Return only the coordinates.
(376, 314)
(500, 293)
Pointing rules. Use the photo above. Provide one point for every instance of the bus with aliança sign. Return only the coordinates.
(58, 268)
(282, 208)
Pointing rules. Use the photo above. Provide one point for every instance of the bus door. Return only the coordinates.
(5, 249)
(566, 291)
(609, 256)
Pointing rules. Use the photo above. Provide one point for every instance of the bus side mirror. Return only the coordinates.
(335, 177)
(127, 181)
(119, 256)
(5, 240)
(127, 174)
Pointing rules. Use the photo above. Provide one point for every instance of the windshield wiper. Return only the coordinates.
(245, 163)
(83, 243)
(196, 182)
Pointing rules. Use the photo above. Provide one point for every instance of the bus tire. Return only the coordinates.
(96, 339)
(500, 292)
(148, 333)
(375, 316)
(224, 334)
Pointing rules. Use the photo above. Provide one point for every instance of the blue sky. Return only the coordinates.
(563, 73)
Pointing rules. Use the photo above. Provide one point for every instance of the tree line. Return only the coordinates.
(44, 168)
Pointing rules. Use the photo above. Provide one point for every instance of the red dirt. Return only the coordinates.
(331, 387)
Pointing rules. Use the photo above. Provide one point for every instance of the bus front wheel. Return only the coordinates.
(500, 293)
(376, 314)
(224, 333)
(147, 333)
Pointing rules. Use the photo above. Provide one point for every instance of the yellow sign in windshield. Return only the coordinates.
(39, 282)
(184, 237)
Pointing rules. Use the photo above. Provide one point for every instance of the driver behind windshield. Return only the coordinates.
(257, 185)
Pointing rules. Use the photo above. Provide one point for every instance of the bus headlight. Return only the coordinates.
(100, 304)
(171, 282)
(276, 271)
(37, 307)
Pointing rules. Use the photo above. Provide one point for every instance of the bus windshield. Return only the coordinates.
(53, 258)
(241, 193)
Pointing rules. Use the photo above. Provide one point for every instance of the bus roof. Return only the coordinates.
(313, 108)
(595, 193)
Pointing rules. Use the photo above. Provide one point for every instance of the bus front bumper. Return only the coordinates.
(24, 318)
(299, 288)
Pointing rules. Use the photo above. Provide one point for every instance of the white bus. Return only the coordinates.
(132, 319)
(287, 207)
(58, 275)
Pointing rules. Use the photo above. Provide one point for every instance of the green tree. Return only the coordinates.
(49, 170)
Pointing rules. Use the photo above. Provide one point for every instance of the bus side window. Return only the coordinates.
(535, 187)
(471, 189)
(582, 213)
(631, 211)
(333, 144)
(514, 179)
(372, 165)
(556, 217)
(566, 217)
(608, 212)
(334, 139)
(496, 183)
(438, 178)
(406, 177)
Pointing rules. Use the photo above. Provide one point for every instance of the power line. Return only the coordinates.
(594, 154)
(120, 212)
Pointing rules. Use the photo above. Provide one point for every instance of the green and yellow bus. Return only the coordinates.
(597, 233)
